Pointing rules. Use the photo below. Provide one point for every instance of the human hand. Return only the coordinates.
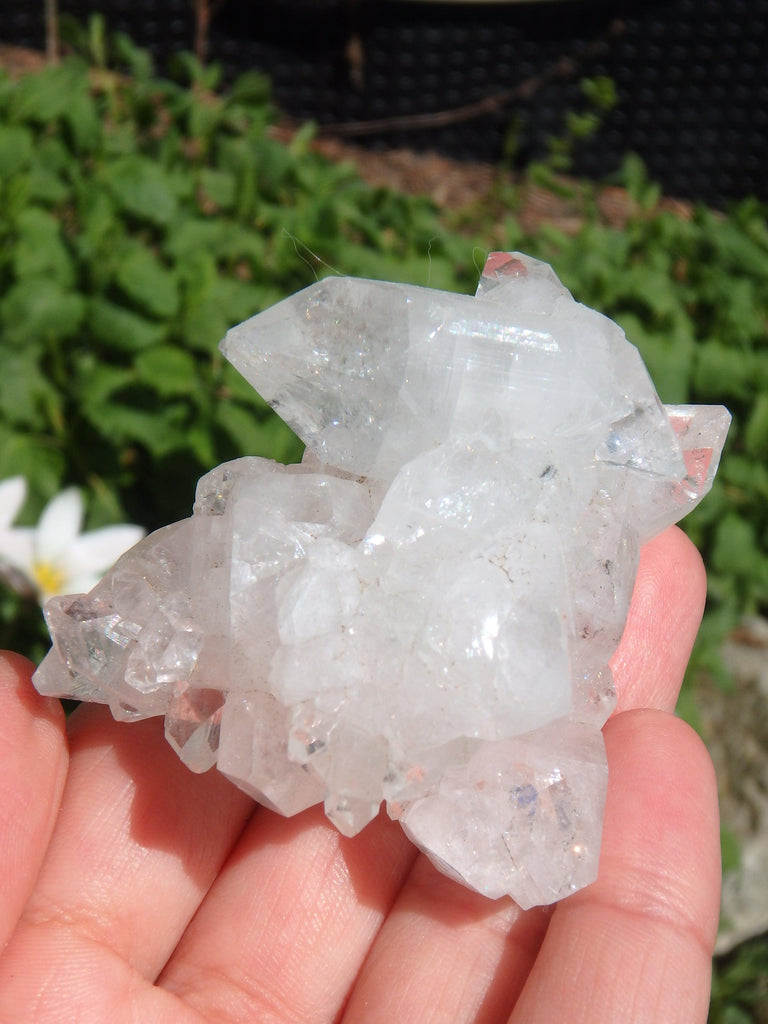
(134, 891)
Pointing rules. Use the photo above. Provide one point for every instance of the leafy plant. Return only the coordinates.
(740, 986)
(599, 97)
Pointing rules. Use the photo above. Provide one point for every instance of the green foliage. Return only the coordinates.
(740, 985)
(600, 97)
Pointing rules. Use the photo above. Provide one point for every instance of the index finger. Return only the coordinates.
(664, 618)
(33, 765)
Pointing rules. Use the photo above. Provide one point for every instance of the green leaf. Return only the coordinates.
(46, 186)
(16, 149)
(204, 325)
(100, 236)
(217, 187)
(600, 91)
(97, 382)
(234, 385)
(118, 327)
(302, 139)
(122, 140)
(39, 249)
(735, 550)
(131, 417)
(84, 123)
(39, 309)
(257, 435)
(23, 388)
(240, 243)
(52, 151)
(35, 458)
(145, 280)
(191, 235)
(138, 60)
(252, 88)
(634, 177)
(226, 302)
(756, 430)
(205, 114)
(97, 39)
(169, 371)
(14, 197)
(731, 849)
(746, 476)
(141, 188)
(667, 354)
(198, 275)
(722, 372)
(46, 95)
(200, 440)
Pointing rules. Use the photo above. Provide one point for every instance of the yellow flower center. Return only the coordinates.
(48, 578)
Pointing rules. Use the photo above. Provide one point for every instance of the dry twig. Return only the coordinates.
(564, 68)
(52, 48)
(205, 11)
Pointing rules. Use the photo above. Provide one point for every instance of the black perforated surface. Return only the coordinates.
(692, 75)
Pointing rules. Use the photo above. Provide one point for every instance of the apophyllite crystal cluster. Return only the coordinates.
(422, 612)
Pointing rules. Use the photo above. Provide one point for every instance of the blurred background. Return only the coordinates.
(167, 171)
(691, 74)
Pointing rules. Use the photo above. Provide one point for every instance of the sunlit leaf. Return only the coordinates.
(144, 279)
(142, 189)
(38, 309)
(169, 371)
(118, 327)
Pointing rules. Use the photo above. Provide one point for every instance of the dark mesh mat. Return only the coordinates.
(692, 75)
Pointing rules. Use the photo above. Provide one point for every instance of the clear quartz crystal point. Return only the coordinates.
(422, 612)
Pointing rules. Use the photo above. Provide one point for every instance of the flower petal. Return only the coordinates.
(59, 525)
(13, 491)
(96, 551)
(17, 548)
(81, 584)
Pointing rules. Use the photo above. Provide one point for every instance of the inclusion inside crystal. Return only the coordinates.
(422, 612)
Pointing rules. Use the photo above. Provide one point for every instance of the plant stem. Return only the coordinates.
(204, 13)
(51, 31)
(202, 27)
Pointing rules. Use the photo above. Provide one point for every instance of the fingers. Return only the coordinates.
(297, 912)
(446, 955)
(138, 842)
(635, 947)
(665, 614)
(284, 932)
(33, 764)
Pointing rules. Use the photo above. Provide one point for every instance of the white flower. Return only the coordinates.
(54, 556)
(12, 494)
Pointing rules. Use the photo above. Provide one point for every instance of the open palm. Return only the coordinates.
(134, 892)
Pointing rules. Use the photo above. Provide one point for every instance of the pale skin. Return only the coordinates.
(134, 892)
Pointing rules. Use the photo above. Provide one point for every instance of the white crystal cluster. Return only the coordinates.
(422, 612)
